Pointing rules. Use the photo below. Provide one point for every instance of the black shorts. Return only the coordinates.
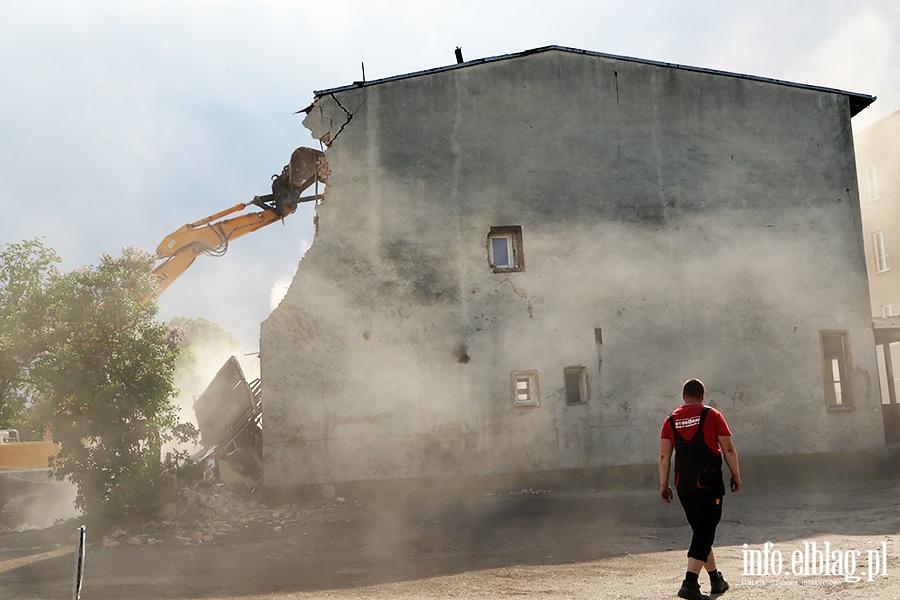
(703, 509)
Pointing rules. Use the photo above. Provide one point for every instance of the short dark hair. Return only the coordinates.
(693, 388)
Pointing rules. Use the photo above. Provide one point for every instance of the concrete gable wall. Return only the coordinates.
(705, 225)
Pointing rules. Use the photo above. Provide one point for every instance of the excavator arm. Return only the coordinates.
(212, 235)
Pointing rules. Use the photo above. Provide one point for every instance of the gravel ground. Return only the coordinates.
(531, 544)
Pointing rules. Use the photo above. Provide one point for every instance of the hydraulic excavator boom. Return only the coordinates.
(212, 235)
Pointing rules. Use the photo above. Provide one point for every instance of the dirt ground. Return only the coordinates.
(586, 544)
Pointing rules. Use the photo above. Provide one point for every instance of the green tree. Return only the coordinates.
(25, 269)
(106, 379)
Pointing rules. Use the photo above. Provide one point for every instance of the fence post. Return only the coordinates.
(79, 564)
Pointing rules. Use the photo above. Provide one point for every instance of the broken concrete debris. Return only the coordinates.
(205, 512)
(229, 414)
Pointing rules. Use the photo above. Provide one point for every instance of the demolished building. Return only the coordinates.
(519, 259)
(229, 413)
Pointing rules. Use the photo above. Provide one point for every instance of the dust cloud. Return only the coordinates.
(207, 348)
(31, 500)
(283, 283)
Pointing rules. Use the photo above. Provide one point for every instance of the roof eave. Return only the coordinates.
(858, 101)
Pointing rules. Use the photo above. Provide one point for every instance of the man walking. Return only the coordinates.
(700, 437)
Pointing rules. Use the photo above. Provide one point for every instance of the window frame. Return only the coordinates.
(843, 361)
(872, 178)
(515, 247)
(507, 240)
(882, 258)
(534, 388)
(584, 392)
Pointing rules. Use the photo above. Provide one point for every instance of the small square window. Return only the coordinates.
(524, 388)
(505, 249)
(887, 310)
(502, 252)
(576, 385)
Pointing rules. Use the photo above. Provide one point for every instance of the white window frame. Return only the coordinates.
(530, 394)
(510, 253)
(872, 176)
(512, 234)
(887, 310)
(882, 261)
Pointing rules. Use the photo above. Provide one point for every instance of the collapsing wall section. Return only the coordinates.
(228, 415)
(676, 223)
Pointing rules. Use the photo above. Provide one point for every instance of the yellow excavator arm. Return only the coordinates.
(212, 235)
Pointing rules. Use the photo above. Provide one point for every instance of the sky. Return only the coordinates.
(122, 121)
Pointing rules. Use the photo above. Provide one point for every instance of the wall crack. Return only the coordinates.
(349, 118)
(521, 294)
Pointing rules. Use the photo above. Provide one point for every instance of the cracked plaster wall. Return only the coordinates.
(707, 225)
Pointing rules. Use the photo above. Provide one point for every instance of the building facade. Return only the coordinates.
(878, 167)
(878, 170)
(520, 259)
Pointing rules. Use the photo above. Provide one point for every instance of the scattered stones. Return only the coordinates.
(205, 512)
(529, 492)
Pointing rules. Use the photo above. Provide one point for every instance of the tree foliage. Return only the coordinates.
(105, 379)
(203, 332)
(25, 269)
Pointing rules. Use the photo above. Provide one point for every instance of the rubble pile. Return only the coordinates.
(205, 512)
(522, 492)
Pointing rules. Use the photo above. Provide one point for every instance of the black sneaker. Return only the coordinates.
(718, 585)
(691, 592)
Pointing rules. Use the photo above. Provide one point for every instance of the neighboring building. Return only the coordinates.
(520, 259)
(878, 168)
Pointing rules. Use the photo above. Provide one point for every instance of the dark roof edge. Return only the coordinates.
(857, 101)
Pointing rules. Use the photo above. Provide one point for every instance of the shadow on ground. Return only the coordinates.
(383, 542)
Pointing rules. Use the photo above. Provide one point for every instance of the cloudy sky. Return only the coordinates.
(122, 121)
